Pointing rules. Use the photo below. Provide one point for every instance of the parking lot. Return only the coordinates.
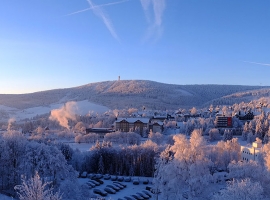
(119, 188)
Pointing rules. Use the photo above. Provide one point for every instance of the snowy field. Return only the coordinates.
(4, 197)
(83, 108)
(130, 189)
(81, 146)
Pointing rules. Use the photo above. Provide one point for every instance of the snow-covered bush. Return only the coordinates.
(241, 189)
(156, 137)
(34, 189)
(88, 138)
(214, 134)
(123, 137)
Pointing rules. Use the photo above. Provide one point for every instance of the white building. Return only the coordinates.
(251, 153)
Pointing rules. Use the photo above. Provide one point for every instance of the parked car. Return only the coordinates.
(138, 197)
(91, 176)
(149, 188)
(145, 181)
(83, 174)
(136, 181)
(88, 186)
(95, 182)
(120, 178)
(143, 195)
(91, 184)
(107, 176)
(129, 198)
(109, 190)
(113, 178)
(113, 187)
(120, 186)
(147, 193)
(127, 179)
(124, 185)
(98, 180)
(99, 176)
(101, 192)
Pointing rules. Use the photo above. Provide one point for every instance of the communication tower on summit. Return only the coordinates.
(118, 78)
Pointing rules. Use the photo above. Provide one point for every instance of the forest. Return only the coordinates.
(191, 158)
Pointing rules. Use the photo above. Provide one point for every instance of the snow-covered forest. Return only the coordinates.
(191, 158)
(127, 94)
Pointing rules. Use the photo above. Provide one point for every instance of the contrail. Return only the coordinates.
(101, 5)
(256, 63)
(98, 11)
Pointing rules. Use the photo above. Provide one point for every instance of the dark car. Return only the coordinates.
(118, 185)
(113, 187)
(91, 184)
(138, 197)
(95, 182)
(83, 174)
(129, 198)
(99, 176)
(109, 190)
(136, 181)
(107, 177)
(145, 181)
(98, 180)
(143, 195)
(101, 192)
(120, 178)
(127, 179)
(147, 193)
(124, 185)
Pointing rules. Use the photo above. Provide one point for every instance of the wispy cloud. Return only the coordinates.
(257, 63)
(97, 9)
(158, 7)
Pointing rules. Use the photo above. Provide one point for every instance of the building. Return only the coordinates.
(245, 116)
(132, 124)
(223, 122)
(156, 127)
(251, 153)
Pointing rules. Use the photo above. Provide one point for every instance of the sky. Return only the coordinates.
(60, 44)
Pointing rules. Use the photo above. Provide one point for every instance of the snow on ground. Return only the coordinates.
(129, 190)
(81, 146)
(84, 107)
(4, 197)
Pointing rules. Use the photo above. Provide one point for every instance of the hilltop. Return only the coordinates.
(129, 93)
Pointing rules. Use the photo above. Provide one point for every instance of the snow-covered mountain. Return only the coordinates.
(127, 93)
(244, 96)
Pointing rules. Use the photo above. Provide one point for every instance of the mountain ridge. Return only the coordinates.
(129, 93)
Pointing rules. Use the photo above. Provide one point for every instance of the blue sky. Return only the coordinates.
(58, 44)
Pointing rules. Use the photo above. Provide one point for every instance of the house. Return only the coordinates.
(245, 116)
(127, 124)
(251, 153)
(156, 126)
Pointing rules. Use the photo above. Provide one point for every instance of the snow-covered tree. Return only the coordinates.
(241, 190)
(35, 189)
(214, 134)
(156, 137)
(187, 171)
(228, 135)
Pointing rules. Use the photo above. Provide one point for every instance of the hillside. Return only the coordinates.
(245, 96)
(129, 93)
